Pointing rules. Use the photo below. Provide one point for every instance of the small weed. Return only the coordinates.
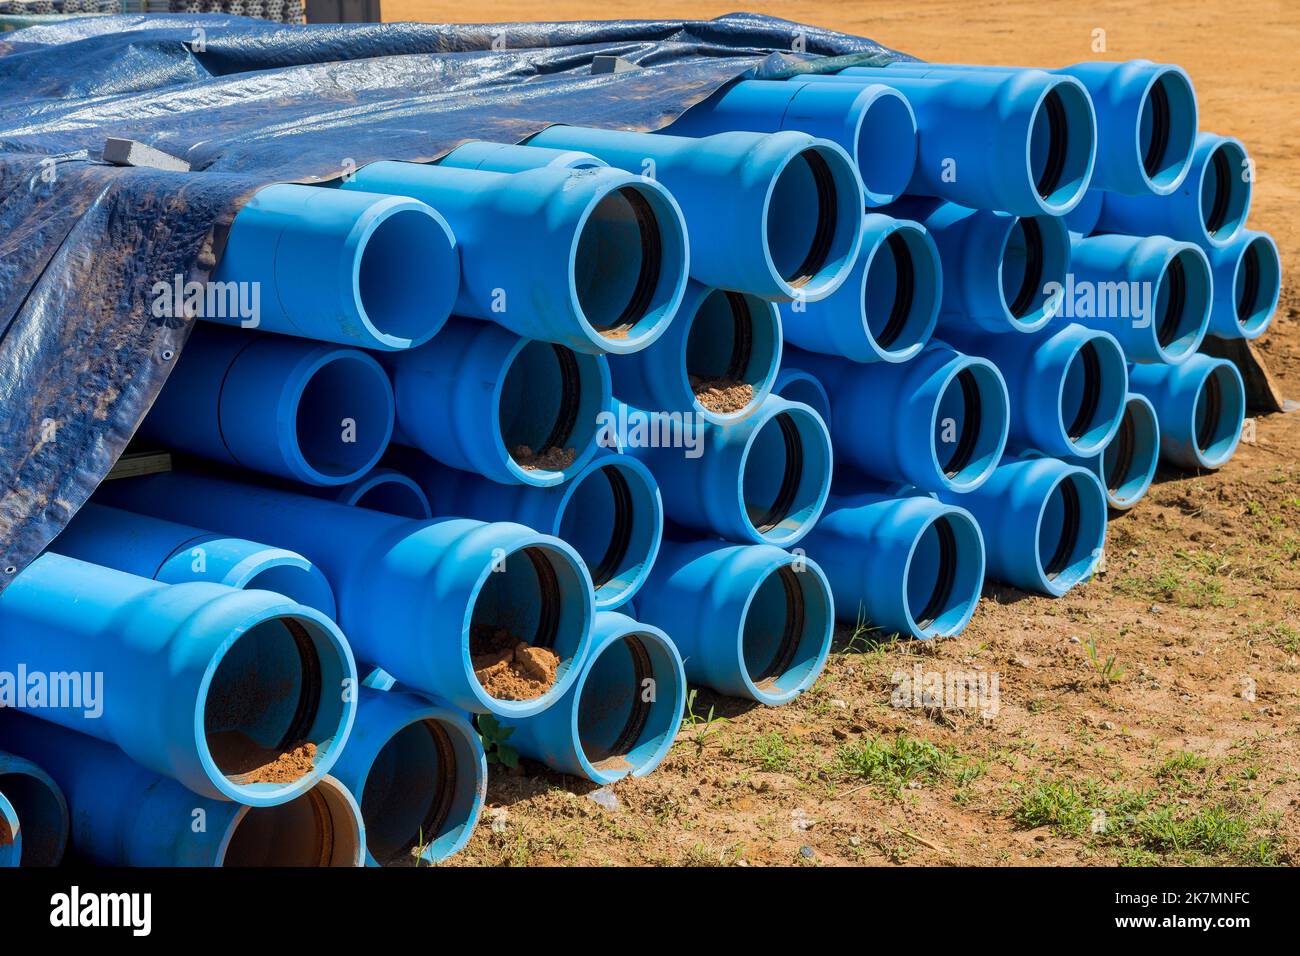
(1108, 670)
(494, 737)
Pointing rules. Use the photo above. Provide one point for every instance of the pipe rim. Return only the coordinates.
(566, 608)
(265, 569)
(377, 488)
(328, 374)
(1223, 193)
(807, 456)
(585, 388)
(1043, 242)
(39, 822)
(912, 285)
(325, 721)
(957, 582)
(334, 829)
(820, 268)
(755, 356)
(799, 658)
(662, 271)
(1216, 414)
(1076, 502)
(1180, 307)
(884, 116)
(1091, 392)
(649, 732)
(1256, 285)
(1165, 133)
(388, 234)
(1061, 148)
(629, 555)
(804, 388)
(11, 835)
(1128, 462)
(982, 392)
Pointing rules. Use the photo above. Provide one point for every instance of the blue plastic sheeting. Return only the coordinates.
(247, 103)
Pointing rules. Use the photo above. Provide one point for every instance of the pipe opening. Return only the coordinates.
(393, 296)
(619, 261)
(302, 585)
(785, 630)
(1093, 392)
(317, 828)
(886, 172)
(1182, 303)
(802, 218)
(1071, 525)
(786, 474)
(898, 291)
(733, 339)
(969, 425)
(42, 818)
(1220, 408)
(619, 730)
(1167, 128)
(395, 496)
(1117, 461)
(409, 792)
(795, 385)
(344, 416)
(1082, 392)
(1022, 268)
(611, 518)
(1129, 459)
(1257, 285)
(941, 579)
(261, 715)
(1225, 192)
(1061, 145)
(535, 596)
(546, 391)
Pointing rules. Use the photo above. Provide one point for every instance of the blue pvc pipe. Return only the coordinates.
(938, 421)
(594, 259)
(248, 675)
(123, 814)
(874, 124)
(310, 412)
(1023, 143)
(1043, 522)
(1200, 405)
(418, 771)
(1153, 294)
(176, 553)
(750, 621)
(510, 158)
(1209, 207)
(383, 489)
(1247, 285)
(483, 400)
(773, 214)
(11, 835)
(997, 268)
(1146, 118)
(1067, 386)
(409, 592)
(354, 268)
(1127, 465)
(621, 715)
(763, 479)
(908, 565)
(1082, 219)
(33, 811)
(796, 385)
(887, 309)
(611, 513)
(717, 335)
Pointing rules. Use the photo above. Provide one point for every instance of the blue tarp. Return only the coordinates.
(247, 103)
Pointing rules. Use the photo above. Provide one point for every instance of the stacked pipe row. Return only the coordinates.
(802, 355)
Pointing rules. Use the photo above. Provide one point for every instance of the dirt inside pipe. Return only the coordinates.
(508, 668)
(722, 395)
(6, 835)
(245, 761)
(618, 331)
(552, 458)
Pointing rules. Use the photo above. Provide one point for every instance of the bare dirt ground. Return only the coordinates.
(1184, 748)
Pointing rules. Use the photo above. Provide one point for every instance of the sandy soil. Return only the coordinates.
(1186, 748)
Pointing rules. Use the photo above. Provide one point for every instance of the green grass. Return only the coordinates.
(895, 763)
(770, 752)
